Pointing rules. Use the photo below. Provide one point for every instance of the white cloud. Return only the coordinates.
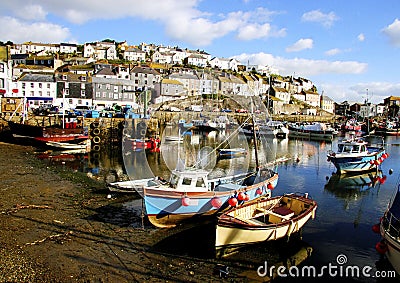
(182, 20)
(18, 31)
(31, 12)
(303, 67)
(361, 37)
(301, 44)
(333, 52)
(317, 16)
(393, 32)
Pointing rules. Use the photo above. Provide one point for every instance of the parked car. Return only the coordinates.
(226, 110)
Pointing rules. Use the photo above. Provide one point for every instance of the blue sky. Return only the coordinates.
(349, 49)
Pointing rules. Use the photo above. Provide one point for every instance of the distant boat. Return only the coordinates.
(356, 156)
(83, 145)
(390, 232)
(279, 129)
(315, 131)
(226, 153)
(264, 219)
(55, 133)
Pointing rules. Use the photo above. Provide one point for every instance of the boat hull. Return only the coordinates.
(358, 164)
(310, 134)
(233, 231)
(165, 208)
(47, 134)
(393, 247)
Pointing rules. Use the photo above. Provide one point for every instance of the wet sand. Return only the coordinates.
(58, 225)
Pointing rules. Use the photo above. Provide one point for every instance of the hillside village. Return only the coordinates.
(109, 74)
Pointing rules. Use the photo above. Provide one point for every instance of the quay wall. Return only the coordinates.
(105, 131)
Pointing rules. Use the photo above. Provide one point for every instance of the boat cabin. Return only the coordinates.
(189, 180)
(352, 147)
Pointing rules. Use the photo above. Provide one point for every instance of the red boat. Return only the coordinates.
(48, 133)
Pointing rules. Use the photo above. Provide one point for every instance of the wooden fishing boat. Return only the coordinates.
(264, 219)
(354, 155)
(390, 232)
(83, 145)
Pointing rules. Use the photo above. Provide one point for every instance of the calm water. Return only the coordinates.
(347, 207)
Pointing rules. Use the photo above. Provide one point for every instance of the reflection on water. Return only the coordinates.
(348, 206)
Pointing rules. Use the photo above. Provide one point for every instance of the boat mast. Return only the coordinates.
(254, 137)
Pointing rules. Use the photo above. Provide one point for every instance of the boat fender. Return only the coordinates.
(259, 191)
(382, 180)
(270, 186)
(216, 202)
(233, 201)
(241, 196)
(375, 228)
(381, 247)
(185, 201)
(246, 197)
(371, 162)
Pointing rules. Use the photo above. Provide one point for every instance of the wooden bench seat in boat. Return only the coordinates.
(279, 211)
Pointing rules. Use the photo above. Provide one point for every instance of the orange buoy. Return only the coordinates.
(270, 186)
(241, 196)
(233, 201)
(381, 247)
(376, 228)
(246, 197)
(216, 202)
(259, 191)
(185, 201)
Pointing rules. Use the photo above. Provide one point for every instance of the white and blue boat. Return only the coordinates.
(356, 156)
(189, 194)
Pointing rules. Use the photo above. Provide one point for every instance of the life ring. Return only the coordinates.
(96, 139)
(96, 131)
(94, 125)
(96, 147)
(127, 132)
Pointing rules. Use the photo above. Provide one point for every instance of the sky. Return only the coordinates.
(348, 49)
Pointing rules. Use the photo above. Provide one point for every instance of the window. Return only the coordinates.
(83, 86)
(82, 92)
(32, 85)
(108, 86)
(186, 181)
(200, 183)
(40, 85)
(66, 91)
(66, 85)
(104, 94)
(23, 85)
(40, 93)
(115, 88)
(48, 85)
(98, 94)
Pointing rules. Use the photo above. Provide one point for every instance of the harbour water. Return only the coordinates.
(348, 207)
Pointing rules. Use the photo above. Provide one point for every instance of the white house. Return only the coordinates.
(134, 54)
(37, 88)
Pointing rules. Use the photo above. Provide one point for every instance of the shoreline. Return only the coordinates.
(58, 225)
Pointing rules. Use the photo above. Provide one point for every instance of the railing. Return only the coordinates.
(391, 224)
